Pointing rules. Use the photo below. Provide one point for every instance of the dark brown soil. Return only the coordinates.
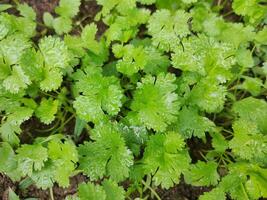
(33, 192)
(41, 6)
(182, 192)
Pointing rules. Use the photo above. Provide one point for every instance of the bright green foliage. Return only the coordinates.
(250, 9)
(9, 133)
(122, 6)
(56, 58)
(261, 37)
(27, 11)
(219, 143)
(66, 10)
(155, 103)
(31, 158)
(17, 80)
(109, 191)
(252, 110)
(190, 123)
(88, 37)
(12, 47)
(43, 163)
(89, 191)
(47, 110)
(64, 156)
(244, 181)
(214, 194)
(12, 195)
(163, 89)
(8, 162)
(167, 29)
(135, 137)
(252, 85)
(31, 63)
(248, 143)
(15, 116)
(208, 97)
(125, 27)
(113, 191)
(133, 58)
(107, 155)
(55, 52)
(202, 173)
(205, 56)
(99, 94)
(165, 158)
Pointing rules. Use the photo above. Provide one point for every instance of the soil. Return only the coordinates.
(181, 191)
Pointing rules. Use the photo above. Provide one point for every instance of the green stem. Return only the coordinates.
(16, 2)
(151, 189)
(51, 193)
(63, 124)
(50, 129)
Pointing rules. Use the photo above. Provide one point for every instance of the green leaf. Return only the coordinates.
(12, 47)
(133, 58)
(166, 28)
(123, 6)
(48, 19)
(99, 94)
(202, 174)
(125, 27)
(107, 156)
(68, 8)
(12, 195)
(244, 58)
(61, 25)
(88, 37)
(44, 178)
(26, 11)
(31, 158)
(52, 80)
(205, 56)
(90, 191)
(113, 191)
(247, 142)
(4, 7)
(213, 194)
(251, 9)
(261, 36)
(190, 123)
(108, 191)
(252, 85)
(19, 115)
(47, 110)
(208, 96)
(31, 63)
(79, 126)
(55, 52)
(9, 133)
(135, 137)
(166, 159)
(219, 143)
(64, 156)
(252, 110)
(8, 162)
(93, 110)
(17, 81)
(155, 104)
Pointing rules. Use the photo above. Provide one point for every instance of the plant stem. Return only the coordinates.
(151, 189)
(51, 193)
(16, 2)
